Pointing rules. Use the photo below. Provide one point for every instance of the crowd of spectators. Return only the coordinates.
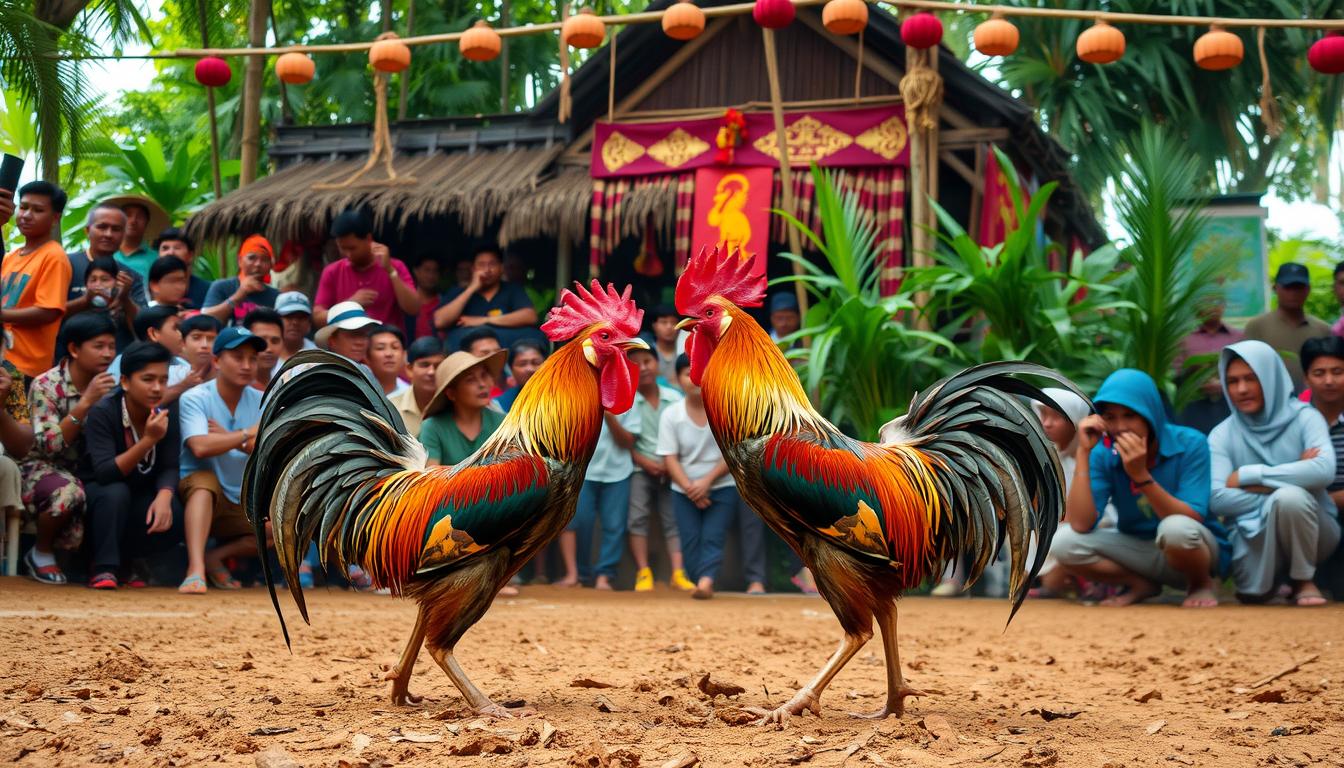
(133, 388)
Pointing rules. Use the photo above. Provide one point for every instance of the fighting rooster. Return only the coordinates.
(333, 463)
(968, 464)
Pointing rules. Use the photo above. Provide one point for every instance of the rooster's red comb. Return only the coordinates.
(582, 307)
(713, 272)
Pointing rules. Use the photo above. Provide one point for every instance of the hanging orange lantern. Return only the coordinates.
(1218, 49)
(480, 43)
(583, 30)
(389, 54)
(997, 37)
(295, 68)
(1101, 44)
(845, 17)
(683, 21)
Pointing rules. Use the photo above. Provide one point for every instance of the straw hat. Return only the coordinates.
(454, 366)
(158, 217)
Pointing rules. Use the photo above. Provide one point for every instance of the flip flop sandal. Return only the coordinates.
(220, 578)
(103, 581)
(1309, 601)
(192, 585)
(46, 574)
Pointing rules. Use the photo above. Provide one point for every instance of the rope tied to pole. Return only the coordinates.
(1270, 114)
(922, 91)
(382, 140)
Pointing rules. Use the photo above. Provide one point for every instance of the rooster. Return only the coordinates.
(333, 463)
(967, 465)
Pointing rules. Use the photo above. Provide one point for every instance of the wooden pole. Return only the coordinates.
(931, 166)
(210, 104)
(504, 12)
(919, 160)
(785, 170)
(252, 75)
(404, 80)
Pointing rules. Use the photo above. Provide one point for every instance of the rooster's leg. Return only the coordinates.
(897, 690)
(809, 697)
(478, 701)
(401, 675)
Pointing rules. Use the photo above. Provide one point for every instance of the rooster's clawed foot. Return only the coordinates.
(803, 701)
(401, 695)
(895, 705)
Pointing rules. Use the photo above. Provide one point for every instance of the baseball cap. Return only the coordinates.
(293, 303)
(782, 301)
(1292, 274)
(236, 336)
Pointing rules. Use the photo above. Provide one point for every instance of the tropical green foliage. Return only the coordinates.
(1090, 108)
(1158, 207)
(1011, 302)
(865, 362)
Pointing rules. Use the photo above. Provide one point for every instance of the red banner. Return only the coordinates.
(732, 210)
(868, 137)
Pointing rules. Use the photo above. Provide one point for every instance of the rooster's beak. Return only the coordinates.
(687, 323)
(634, 343)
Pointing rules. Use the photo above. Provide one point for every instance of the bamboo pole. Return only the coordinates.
(210, 105)
(404, 80)
(785, 168)
(250, 154)
(739, 9)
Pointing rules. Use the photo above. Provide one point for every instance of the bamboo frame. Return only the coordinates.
(738, 9)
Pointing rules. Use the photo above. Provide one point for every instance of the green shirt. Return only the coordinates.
(139, 260)
(446, 444)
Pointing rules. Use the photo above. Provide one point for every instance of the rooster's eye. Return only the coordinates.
(606, 336)
(709, 312)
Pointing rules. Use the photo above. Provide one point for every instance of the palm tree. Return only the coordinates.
(54, 89)
(1088, 108)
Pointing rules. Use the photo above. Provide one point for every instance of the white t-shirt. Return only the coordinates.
(693, 445)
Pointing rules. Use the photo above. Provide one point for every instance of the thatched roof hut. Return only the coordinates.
(526, 177)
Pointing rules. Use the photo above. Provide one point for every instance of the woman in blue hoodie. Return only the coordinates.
(1272, 463)
(1156, 474)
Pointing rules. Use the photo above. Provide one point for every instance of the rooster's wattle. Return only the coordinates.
(966, 466)
(333, 464)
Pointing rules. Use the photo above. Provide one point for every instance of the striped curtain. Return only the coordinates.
(623, 207)
(881, 191)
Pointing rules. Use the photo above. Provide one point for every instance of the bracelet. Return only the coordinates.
(73, 418)
(1147, 482)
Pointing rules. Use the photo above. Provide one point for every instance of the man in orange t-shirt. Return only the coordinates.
(35, 279)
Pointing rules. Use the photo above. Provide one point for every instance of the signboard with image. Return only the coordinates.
(1234, 236)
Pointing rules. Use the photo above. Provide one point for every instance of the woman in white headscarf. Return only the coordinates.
(1063, 432)
(1272, 461)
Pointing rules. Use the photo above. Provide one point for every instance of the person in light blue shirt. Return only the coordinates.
(219, 429)
(605, 497)
(1156, 474)
(1273, 462)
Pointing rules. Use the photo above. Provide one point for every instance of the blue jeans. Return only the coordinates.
(703, 531)
(608, 503)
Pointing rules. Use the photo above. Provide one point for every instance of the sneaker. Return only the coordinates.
(47, 574)
(679, 581)
(644, 580)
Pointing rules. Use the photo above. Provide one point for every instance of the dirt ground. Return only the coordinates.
(151, 678)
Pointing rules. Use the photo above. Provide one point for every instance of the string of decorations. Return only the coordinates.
(1102, 43)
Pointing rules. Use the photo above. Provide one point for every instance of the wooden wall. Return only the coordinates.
(730, 69)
